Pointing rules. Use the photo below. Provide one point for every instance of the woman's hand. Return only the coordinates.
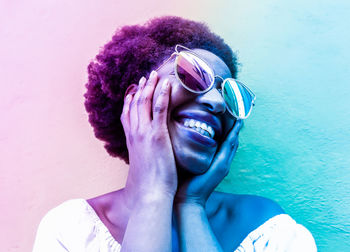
(152, 164)
(152, 178)
(197, 188)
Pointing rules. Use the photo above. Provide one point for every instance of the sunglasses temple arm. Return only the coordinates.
(166, 61)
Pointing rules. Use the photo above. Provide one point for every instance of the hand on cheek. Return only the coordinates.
(197, 189)
(152, 166)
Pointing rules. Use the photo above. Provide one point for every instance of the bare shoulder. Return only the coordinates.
(250, 206)
(234, 216)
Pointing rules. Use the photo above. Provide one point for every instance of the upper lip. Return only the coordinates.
(208, 118)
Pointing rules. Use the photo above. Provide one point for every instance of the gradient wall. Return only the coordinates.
(294, 148)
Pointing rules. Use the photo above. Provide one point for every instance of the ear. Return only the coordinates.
(131, 90)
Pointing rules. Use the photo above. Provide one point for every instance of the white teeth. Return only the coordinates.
(200, 127)
(192, 122)
(211, 131)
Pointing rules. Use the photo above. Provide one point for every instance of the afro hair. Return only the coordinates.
(132, 53)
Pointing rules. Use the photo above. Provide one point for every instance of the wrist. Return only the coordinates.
(195, 202)
(156, 196)
(188, 210)
(180, 204)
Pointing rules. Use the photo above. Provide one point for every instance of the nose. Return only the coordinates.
(213, 100)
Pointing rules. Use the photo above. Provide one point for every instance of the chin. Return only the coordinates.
(190, 155)
(195, 165)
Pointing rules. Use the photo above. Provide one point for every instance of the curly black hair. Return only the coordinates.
(132, 53)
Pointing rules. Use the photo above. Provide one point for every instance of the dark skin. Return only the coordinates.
(231, 216)
(188, 172)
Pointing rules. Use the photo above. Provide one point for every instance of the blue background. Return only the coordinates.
(295, 147)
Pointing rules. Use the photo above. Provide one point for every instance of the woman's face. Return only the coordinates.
(194, 151)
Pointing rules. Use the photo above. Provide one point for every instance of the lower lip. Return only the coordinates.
(197, 137)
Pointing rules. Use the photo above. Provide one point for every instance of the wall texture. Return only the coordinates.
(294, 148)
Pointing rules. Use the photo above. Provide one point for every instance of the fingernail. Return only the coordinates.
(153, 74)
(142, 81)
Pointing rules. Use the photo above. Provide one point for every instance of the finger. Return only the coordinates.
(142, 82)
(134, 120)
(233, 134)
(233, 151)
(224, 152)
(160, 110)
(145, 101)
(220, 165)
(125, 117)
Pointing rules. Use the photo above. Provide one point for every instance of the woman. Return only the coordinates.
(178, 130)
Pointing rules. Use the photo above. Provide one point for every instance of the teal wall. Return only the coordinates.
(295, 147)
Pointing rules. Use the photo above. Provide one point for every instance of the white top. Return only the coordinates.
(74, 226)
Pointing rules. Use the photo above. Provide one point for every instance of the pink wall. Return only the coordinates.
(48, 150)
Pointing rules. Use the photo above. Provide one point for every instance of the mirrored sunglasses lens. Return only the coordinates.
(238, 99)
(194, 73)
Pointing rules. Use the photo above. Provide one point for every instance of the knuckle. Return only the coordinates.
(163, 92)
(159, 109)
(133, 102)
(130, 138)
(139, 100)
(234, 143)
(145, 100)
(157, 138)
(139, 135)
(234, 140)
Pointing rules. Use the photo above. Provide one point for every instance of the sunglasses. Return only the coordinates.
(198, 77)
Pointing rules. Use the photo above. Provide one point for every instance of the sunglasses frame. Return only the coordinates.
(189, 51)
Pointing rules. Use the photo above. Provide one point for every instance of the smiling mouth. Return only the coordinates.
(196, 134)
(200, 130)
(199, 126)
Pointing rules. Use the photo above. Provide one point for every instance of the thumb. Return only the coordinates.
(221, 162)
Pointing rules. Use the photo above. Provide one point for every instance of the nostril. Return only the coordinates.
(213, 101)
(217, 108)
